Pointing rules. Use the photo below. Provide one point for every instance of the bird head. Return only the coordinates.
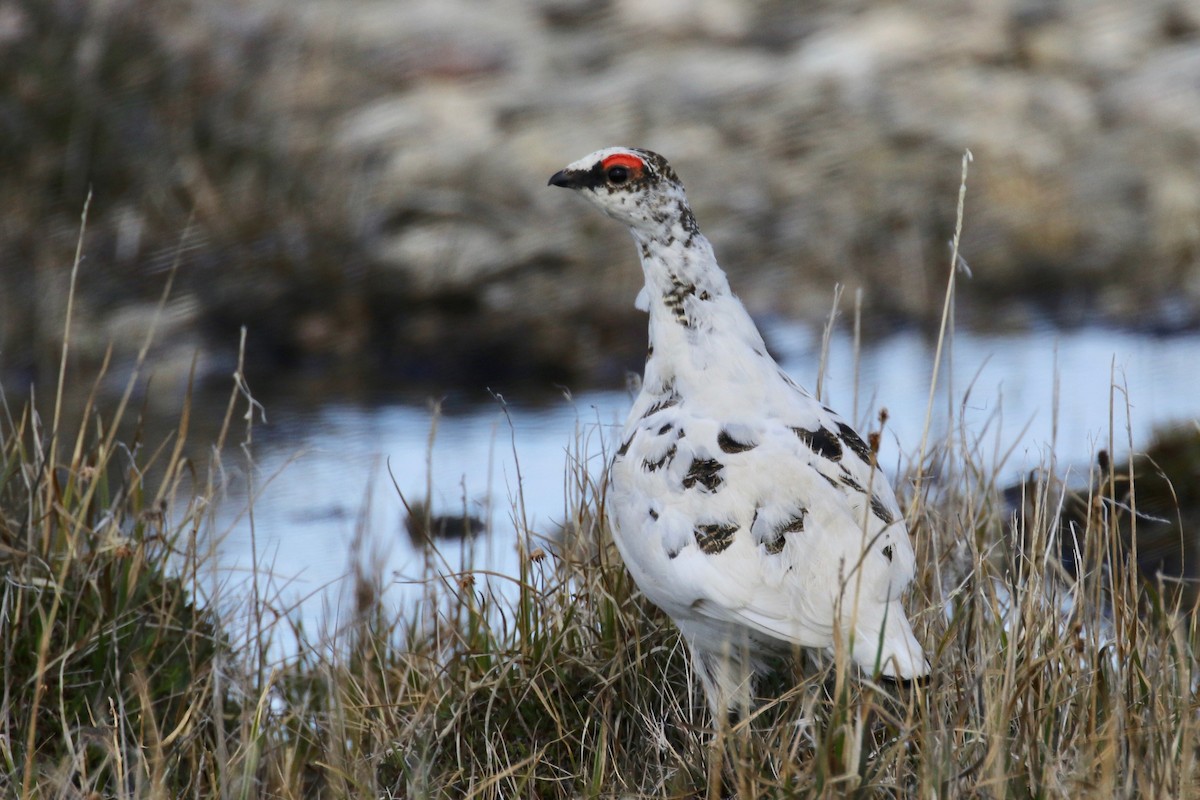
(637, 187)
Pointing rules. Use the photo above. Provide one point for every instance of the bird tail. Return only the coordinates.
(885, 644)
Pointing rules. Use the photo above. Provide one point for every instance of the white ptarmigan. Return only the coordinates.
(744, 508)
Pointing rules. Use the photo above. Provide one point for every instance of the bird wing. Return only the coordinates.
(762, 520)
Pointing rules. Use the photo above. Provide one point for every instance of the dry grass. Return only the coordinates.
(124, 676)
(117, 681)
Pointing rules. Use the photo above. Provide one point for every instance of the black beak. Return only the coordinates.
(567, 180)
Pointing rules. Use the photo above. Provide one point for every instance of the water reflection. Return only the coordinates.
(323, 474)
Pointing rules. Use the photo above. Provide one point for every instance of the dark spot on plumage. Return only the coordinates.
(594, 178)
(854, 442)
(881, 511)
(688, 220)
(649, 352)
(832, 482)
(794, 525)
(673, 552)
(666, 402)
(673, 300)
(705, 296)
(645, 250)
(887, 552)
(704, 471)
(729, 444)
(653, 514)
(659, 165)
(849, 481)
(668, 457)
(675, 297)
(676, 309)
(665, 428)
(822, 441)
(624, 448)
(713, 539)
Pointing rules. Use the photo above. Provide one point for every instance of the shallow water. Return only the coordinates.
(321, 476)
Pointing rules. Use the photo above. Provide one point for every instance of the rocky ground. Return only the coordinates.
(363, 184)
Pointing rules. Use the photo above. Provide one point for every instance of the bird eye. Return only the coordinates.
(618, 174)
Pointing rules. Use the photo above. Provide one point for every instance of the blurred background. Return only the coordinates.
(361, 184)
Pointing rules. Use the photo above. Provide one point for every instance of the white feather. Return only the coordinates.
(642, 301)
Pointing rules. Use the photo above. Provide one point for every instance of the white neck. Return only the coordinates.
(693, 313)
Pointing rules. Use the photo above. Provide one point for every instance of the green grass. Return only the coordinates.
(126, 674)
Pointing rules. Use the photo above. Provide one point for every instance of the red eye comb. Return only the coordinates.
(624, 160)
